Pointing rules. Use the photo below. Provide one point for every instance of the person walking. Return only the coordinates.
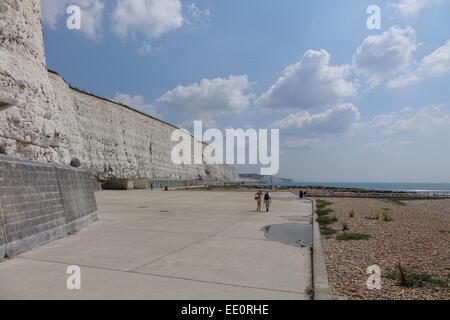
(258, 198)
(267, 201)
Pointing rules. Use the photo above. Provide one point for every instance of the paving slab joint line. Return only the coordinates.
(321, 286)
(161, 276)
(165, 231)
(191, 244)
(217, 282)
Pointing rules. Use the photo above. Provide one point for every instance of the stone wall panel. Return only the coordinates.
(41, 202)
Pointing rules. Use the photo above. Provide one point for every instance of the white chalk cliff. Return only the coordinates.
(42, 118)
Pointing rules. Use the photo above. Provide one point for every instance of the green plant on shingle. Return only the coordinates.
(387, 217)
(324, 220)
(322, 207)
(327, 231)
(344, 226)
(395, 201)
(320, 204)
(324, 211)
(353, 236)
(373, 216)
(352, 213)
(408, 279)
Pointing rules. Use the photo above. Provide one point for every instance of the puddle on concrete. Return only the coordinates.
(293, 234)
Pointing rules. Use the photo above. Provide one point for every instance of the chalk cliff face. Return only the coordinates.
(41, 118)
(28, 113)
(118, 142)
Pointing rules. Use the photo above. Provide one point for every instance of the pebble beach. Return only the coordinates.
(416, 235)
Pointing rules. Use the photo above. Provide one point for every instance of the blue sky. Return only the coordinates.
(352, 104)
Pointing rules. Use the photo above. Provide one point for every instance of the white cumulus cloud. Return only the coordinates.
(206, 124)
(308, 84)
(303, 128)
(411, 8)
(145, 48)
(376, 145)
(383, 56)
(91, 14)
(210, 98)
(424, 121)
(137, 102)
(294, 142)
(386, 143)
(435, 64)
(198, 17)
(383, 120)
(151, 18)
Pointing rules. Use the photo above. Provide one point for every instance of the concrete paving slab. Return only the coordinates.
(28, 279)
(113, 247)
(170, 245)
(185, 223)
(255, 263)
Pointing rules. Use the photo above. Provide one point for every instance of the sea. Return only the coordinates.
(442, 188)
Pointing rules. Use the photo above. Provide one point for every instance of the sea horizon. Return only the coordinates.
(383, 186)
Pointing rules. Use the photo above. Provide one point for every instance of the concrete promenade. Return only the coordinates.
(173, 245)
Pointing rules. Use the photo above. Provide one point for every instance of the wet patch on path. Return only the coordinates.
(293, 234)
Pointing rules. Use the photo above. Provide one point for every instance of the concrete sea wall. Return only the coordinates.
(41, 202)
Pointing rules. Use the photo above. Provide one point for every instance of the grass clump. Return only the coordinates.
(320, 204)
(387, 217)
(324, 220)
(324, 211)
(353, 236)
(409, 279)
(344, 226)
(322, 208)
(327, 231)
(395, 201)
(324, 223)
(373, 217)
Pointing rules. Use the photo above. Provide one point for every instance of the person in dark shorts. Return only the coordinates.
(267, 201)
